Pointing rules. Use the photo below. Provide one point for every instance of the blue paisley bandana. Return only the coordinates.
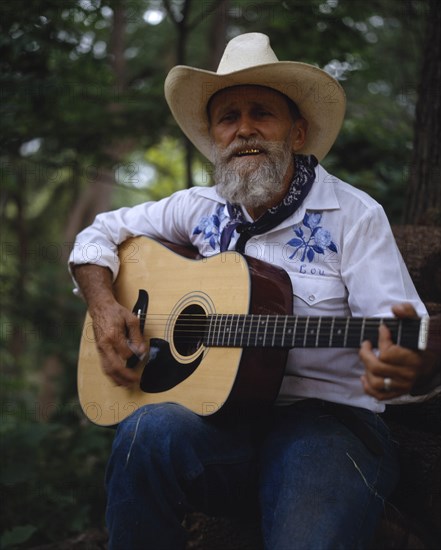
(300, 186)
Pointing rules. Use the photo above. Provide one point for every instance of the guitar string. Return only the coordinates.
(250, 326)
(270, 322)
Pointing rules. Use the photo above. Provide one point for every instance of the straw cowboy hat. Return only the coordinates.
(249, 59)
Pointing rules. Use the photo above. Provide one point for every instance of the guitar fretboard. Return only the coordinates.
(279, 331)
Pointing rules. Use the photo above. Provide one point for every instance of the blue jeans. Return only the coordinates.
(316, 483)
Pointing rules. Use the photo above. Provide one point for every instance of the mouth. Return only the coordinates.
(248, 152)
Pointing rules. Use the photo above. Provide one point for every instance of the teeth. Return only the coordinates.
(248, 152)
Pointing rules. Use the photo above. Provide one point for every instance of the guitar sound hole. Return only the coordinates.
(189, 330)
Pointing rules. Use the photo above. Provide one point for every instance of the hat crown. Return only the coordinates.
(245, 51)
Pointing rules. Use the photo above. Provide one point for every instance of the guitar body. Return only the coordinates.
(204, 379)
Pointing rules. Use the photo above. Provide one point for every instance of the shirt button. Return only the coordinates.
(311, 298)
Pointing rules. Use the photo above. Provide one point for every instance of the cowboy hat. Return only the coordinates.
(249, 59)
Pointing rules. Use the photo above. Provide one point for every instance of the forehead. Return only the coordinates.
(246, 95)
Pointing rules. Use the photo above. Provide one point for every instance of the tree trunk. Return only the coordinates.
(218, 34)
(423, 204)
(96, 197)
(216, 43)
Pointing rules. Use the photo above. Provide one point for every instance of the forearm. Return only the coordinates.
(96, 285)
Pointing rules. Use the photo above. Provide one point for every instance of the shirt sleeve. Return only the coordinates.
(98, 243)
(373, 269)
(377, 277)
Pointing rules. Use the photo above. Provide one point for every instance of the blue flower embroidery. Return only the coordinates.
(316, 242)
(210, 227)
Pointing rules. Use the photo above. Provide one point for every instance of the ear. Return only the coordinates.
(299, 130)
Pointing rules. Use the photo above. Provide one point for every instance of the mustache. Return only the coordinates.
(233, 149)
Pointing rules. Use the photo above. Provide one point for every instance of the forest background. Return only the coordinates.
(85, 128)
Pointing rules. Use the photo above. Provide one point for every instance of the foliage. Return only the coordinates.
(56, 487)
(72, 105)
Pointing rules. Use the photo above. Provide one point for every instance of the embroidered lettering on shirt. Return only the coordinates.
(311, 241)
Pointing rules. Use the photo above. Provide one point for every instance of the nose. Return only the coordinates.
(246, 127)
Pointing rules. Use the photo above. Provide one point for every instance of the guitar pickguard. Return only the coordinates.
(163, 371)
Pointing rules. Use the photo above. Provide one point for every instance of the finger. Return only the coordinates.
(385, 341)
(377, 370)
(127, 338)
(404, 310)
(114, 352)
(115, 367)
(134, 335)
(368, 356)
(375, 386)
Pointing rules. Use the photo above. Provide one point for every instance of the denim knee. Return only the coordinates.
(156, 430)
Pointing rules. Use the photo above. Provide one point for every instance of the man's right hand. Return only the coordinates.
(118, 337)
(117, 332)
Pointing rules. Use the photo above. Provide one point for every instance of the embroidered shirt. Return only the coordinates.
(337, 248)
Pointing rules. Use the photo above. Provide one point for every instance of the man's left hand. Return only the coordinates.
(394, 370)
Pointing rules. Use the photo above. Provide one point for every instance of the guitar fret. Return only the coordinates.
(219, 328)
(266, 330)
(400, 326)
(262, 338)
(237, 317)
(339, 334)
(232, 334)
(294, 331)
(208, 330)
(345, 341)
(291, 330)
(371, 331)
(282, 343)
(242, 330)
(249, 329)
(331, 332)
(274, 331)
(213, 329)
(312, 332)
(257, 330)
(221, 333)
(225, 334)
(318, 332)
(306, 332)
(228, 322)
(362, 331)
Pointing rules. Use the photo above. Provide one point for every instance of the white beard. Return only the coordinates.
(252, 181)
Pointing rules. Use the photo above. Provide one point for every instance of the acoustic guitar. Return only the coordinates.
(218, 330)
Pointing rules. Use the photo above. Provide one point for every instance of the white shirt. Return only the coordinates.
(337, 248)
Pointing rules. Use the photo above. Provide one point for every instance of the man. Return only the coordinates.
(322, 463)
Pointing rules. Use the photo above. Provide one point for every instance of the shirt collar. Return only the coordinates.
(322, 195)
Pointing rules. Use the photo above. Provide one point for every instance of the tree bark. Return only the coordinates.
(423, 203)
(96, 197)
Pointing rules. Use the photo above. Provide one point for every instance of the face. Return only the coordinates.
(254, 138)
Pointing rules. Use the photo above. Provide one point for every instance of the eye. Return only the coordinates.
(262, 113)
(228, 117)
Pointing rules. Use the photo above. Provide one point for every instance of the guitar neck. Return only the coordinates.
(283, 331)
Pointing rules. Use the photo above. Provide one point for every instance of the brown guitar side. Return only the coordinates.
(261, 370)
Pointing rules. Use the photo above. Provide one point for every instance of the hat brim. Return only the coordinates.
(319, 97)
